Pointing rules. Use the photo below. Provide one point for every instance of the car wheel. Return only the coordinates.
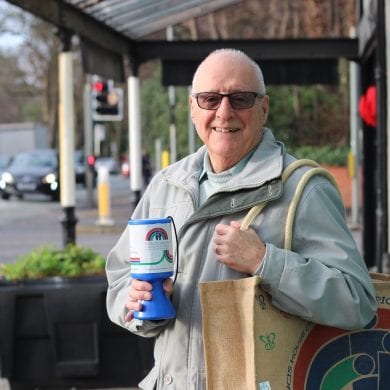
(4, 196)
(55, 197)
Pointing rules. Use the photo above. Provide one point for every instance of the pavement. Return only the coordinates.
(99, 233)
(28, 224)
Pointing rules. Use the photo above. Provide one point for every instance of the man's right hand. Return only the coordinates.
(142, 291)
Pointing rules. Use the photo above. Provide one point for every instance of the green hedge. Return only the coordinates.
(46, 261)
(326, 155)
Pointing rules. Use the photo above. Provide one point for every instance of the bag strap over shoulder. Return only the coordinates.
(316, 170)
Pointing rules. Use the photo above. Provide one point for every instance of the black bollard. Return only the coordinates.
(69, 221)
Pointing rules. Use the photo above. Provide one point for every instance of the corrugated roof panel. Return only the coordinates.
(137, 18)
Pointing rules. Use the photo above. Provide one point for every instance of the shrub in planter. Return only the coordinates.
(46, 261)
(54, 328)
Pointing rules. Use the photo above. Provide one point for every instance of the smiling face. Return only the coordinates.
(229, 134)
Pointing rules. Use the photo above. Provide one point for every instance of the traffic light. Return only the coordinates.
(91, 160)
(107, 101)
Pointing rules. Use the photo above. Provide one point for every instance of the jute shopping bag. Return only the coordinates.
(251, 345)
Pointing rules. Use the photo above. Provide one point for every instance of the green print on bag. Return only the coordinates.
(268, 340)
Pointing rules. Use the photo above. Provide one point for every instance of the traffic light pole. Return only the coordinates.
(88, 144)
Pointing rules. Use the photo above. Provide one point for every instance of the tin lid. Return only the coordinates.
(148, 221)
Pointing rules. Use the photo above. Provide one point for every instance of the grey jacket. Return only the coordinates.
(323, 279)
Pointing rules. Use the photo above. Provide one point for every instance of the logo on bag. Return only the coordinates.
(268, 340)
(332, 358)
(264, 386)
(261, 301)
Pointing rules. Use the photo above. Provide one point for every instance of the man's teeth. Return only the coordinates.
(223, 130)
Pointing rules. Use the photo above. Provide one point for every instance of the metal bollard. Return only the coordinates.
(103, 192)
(164, 159)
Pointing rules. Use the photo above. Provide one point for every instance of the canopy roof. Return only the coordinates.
(115, 39)
(137, 18)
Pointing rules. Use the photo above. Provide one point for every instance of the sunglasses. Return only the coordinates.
(238, 100)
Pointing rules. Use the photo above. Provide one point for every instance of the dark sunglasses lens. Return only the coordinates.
(238, 100)
(209, 101)
(242, 100)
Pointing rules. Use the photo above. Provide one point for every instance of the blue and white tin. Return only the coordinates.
(151, 260)
(151, 248)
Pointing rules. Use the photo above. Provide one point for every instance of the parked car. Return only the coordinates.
(31, 172)
(4, 161)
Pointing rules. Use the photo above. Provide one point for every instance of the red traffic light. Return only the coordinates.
(106, 101)
(99, 86)
(91, 160)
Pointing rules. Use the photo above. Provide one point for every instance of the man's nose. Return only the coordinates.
(225, 108)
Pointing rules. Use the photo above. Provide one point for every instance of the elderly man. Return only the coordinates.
(323, 279)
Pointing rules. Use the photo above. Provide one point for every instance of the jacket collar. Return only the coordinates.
(265, 164)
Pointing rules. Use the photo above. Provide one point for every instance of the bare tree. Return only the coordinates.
(37, 64)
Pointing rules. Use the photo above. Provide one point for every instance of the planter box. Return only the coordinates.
(55, 334)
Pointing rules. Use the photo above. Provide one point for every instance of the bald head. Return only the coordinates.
(218, 57)
(231, 116)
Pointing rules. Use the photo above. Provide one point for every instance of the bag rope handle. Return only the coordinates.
(256, 210)
(316, 170)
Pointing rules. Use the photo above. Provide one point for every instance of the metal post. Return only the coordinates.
(387, 50)
(66, 140)
(135, 144)
(355, 125)
(157, 153)
(104, 197)
(88, 142)
(381, 175)
(172, 125)
(172, 105)
(99, 134)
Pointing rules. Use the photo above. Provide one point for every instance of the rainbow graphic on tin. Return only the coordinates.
(156, 234)
(150, 244)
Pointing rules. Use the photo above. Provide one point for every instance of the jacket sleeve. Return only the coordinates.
(119, 278)
(323, 278)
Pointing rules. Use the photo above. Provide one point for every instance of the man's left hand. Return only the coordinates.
(242, 250)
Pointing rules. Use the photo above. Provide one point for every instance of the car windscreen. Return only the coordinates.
(4, 160)
(38, 159)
